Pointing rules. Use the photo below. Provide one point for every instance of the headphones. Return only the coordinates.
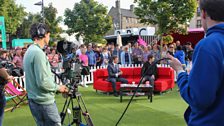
(41, 30)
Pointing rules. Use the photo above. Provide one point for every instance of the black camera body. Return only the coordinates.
(11, 69)
(71, 63)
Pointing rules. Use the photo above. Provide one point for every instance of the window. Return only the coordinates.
(198, 12)
(198, 25)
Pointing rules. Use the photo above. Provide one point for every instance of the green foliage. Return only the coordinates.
(169, 15)
(13, 14)
(27, 22)
(50, 19)
(53, 21)
(88, 19)
(167, 39)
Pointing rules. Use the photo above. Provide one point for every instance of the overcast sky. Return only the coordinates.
(61, 5)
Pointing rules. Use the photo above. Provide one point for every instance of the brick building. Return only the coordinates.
(124, 18)
(196, 20)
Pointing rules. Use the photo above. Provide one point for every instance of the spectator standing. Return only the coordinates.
(91, 56)
(99, 57)
(129, 48)
(146, 53)
(23, 51)
(18, 59)
(106, 57)
(84, 60)
(118, 52)
(189, 51)
(53, 58)
(78, 51)
(125, 57)
(180, 55)
(155, 52)
(171, 50)
(178, 43)
(137, 54)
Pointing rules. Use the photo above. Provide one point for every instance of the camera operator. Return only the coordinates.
(4, 79)
(40, 82)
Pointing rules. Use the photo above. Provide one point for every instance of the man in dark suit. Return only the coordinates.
(114, 73)
(149, 72)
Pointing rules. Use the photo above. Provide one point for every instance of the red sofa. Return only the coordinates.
(164, 81)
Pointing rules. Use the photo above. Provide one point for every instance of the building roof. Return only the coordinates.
(126, 12)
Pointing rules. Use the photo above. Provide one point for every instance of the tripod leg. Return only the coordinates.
(64, 110)
(76, 114)
(85, 113)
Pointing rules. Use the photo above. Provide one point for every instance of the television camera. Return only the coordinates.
(71, 77)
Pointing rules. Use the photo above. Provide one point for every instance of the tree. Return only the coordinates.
(23, 30)
(51, 20)
(13, 14)
(88, 19)
(169, 15)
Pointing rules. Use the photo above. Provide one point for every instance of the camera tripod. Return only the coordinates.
(77, 111)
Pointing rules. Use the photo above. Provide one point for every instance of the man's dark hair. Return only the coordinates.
(34, 30)
(179, 47)
(214, 9)
(188, 43)
(114, 57)
(150, 56)
(82, 46)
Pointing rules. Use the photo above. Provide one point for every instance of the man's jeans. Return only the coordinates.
(45, 115)
(2, 105)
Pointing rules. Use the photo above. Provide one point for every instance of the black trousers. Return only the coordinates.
(150, 79)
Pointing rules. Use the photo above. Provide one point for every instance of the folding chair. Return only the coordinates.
(8, 98)
(12, 90)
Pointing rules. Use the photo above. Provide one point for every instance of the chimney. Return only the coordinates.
(118, 5)
(132, 7)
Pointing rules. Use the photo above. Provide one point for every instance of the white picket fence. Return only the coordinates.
(88, 79)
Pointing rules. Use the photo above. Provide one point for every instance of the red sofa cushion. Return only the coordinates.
(164, 82)
(104, 85)
(137, 71)
(102, 73)
(164, 71)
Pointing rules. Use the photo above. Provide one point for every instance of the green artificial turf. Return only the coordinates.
(165, 110)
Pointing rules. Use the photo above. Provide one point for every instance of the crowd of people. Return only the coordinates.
(93, 55)
(202, 88)
(132, 53)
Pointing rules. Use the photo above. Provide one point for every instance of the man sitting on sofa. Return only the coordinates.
(114, 73)
(150, 72)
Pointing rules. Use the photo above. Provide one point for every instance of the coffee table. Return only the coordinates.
(146, 89)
